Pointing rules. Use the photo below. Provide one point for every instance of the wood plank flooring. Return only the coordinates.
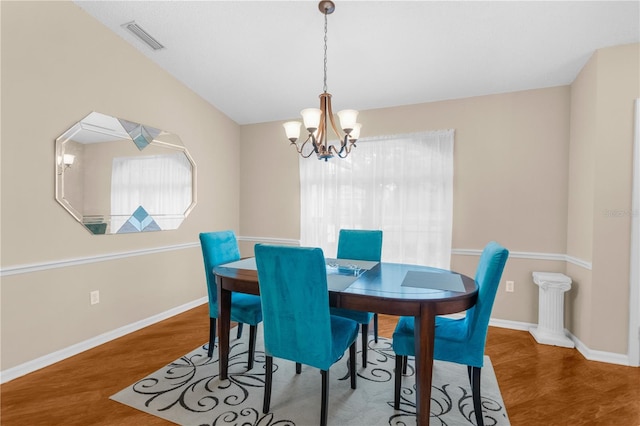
(540, 384)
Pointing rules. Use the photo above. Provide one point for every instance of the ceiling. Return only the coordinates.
(260, 61)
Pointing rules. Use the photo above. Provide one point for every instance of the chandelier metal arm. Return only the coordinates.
(300, 148)
(321, 136)
(345, 147)
(326, 107)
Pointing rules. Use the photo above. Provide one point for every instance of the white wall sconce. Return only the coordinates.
(64, 162)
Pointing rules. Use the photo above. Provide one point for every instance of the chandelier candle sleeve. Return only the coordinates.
(317, 120)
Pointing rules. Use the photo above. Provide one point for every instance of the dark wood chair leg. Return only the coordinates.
(239, 330)
(212, 336)
(365, 344)
(474, 378)
(252, 345)
(352, 364)
(267, 383)
(405, 361)
(298, 368)
(398, 382)
(325, 398)
(375, 328)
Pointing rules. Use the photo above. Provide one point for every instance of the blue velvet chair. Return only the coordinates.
(459, 340)
(297, 323)
(360, 244)
(218, 248)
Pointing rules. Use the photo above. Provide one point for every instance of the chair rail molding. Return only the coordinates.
(269, 240)
(559, 257)
(52, 358)
(43, 266)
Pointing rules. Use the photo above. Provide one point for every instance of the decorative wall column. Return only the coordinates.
(550, 330)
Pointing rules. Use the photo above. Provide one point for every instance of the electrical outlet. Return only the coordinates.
(510, 286)
(95, 297)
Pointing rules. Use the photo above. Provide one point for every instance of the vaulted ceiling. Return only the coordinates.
(261, 61)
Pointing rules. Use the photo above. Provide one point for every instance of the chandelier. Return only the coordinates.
(317, 120)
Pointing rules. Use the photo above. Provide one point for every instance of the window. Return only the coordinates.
(402, 184)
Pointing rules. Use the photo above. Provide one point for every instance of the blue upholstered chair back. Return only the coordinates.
(217, 248)
(295, 304)
(476, 322)
(459, 340)
(360, 244)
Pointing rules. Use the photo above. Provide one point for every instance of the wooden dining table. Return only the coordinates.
(386, 288)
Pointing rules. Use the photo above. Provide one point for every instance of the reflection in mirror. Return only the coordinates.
(115, 176)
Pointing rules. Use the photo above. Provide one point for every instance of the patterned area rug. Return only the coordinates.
(189, 392)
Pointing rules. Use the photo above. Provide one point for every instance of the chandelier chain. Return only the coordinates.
(324, 87)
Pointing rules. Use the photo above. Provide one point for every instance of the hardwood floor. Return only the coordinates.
(540, 384)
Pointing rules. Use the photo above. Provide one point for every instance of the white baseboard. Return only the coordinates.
(52, 358)
(590, 354)
(600, 356)
(512, 325)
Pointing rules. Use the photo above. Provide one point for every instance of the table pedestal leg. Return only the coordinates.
(424, 335)
(224, 324)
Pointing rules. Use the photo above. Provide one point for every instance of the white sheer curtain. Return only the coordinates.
(161, 184)
(402, 184)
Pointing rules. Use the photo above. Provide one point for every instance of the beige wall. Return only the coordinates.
(510, 179)
(534, 170)
(618, 87)
(580, 201)
(59, 64)
(601, 143)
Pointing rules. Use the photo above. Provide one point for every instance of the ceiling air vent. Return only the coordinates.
(143, 35)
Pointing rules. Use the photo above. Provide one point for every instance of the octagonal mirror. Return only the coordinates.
(116, 176)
